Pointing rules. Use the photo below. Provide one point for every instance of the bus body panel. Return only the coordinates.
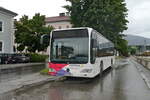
(75, 70)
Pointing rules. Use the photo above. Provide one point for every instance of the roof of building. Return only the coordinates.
(57, 19)
(8, 11)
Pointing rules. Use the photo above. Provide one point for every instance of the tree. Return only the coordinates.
(106, 16)
(122, 47)
(28, 32)
(20, 48)
(132, 50)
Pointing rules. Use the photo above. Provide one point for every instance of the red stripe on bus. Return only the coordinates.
(56, 67)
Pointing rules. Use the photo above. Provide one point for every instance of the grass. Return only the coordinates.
(44, 71)
(34, 57)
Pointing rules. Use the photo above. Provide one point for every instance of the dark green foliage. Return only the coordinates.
(122, 47)
(20, 48)
(106, 16)
(132, 50)
(37, 57)
(28, 32)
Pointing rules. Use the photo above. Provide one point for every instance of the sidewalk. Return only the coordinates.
(145, 73)
(26, 82)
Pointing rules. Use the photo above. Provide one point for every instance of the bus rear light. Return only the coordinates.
(86, 71)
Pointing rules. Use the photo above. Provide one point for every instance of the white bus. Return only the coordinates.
(79, 52)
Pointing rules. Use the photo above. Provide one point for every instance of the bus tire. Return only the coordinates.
(101, 68)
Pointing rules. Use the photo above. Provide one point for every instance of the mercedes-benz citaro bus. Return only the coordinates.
(79, 52)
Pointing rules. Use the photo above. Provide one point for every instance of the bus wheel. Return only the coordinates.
(101, 68)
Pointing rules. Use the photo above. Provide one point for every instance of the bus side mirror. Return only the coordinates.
(93, 50)
(94, 43)
(45, 39)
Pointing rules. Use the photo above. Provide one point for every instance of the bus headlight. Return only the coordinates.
(86, 71)
(52, 70)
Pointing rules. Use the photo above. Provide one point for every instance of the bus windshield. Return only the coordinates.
(69, 46)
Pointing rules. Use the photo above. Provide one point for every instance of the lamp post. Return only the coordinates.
(144, 48)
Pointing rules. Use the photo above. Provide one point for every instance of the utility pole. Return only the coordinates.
(144, 45)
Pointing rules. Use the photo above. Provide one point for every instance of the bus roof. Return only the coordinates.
(72, 28)
(82, 28)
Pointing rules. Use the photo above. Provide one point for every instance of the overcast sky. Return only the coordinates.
(139, 12)
(139, 17)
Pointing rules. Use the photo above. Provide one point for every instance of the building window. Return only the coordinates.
(59, 27)
(1, 26)
(1, 46)
(67, 26)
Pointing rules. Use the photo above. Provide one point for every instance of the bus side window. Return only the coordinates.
(105, 50)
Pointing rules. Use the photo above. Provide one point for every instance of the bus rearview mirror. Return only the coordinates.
(94, 43)
(45, 39)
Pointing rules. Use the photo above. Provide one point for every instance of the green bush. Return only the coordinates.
(34, 57)
(44, 71)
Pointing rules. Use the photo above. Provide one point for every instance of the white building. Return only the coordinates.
(6, 30)
(59, 22)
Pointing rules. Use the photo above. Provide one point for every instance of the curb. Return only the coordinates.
(26, 86)
(28, 83)
(146, 80)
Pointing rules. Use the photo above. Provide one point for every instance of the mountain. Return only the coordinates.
(137, 40)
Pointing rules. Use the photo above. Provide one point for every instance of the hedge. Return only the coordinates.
(34, 57)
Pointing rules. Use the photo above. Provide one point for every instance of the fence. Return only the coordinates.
(144, 61)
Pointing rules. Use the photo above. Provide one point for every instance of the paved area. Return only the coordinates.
(25, 82)
(145, 73)
(122, 83)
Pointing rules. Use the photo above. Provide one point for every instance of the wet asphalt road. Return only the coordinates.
(15, 73)
(122, 83)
